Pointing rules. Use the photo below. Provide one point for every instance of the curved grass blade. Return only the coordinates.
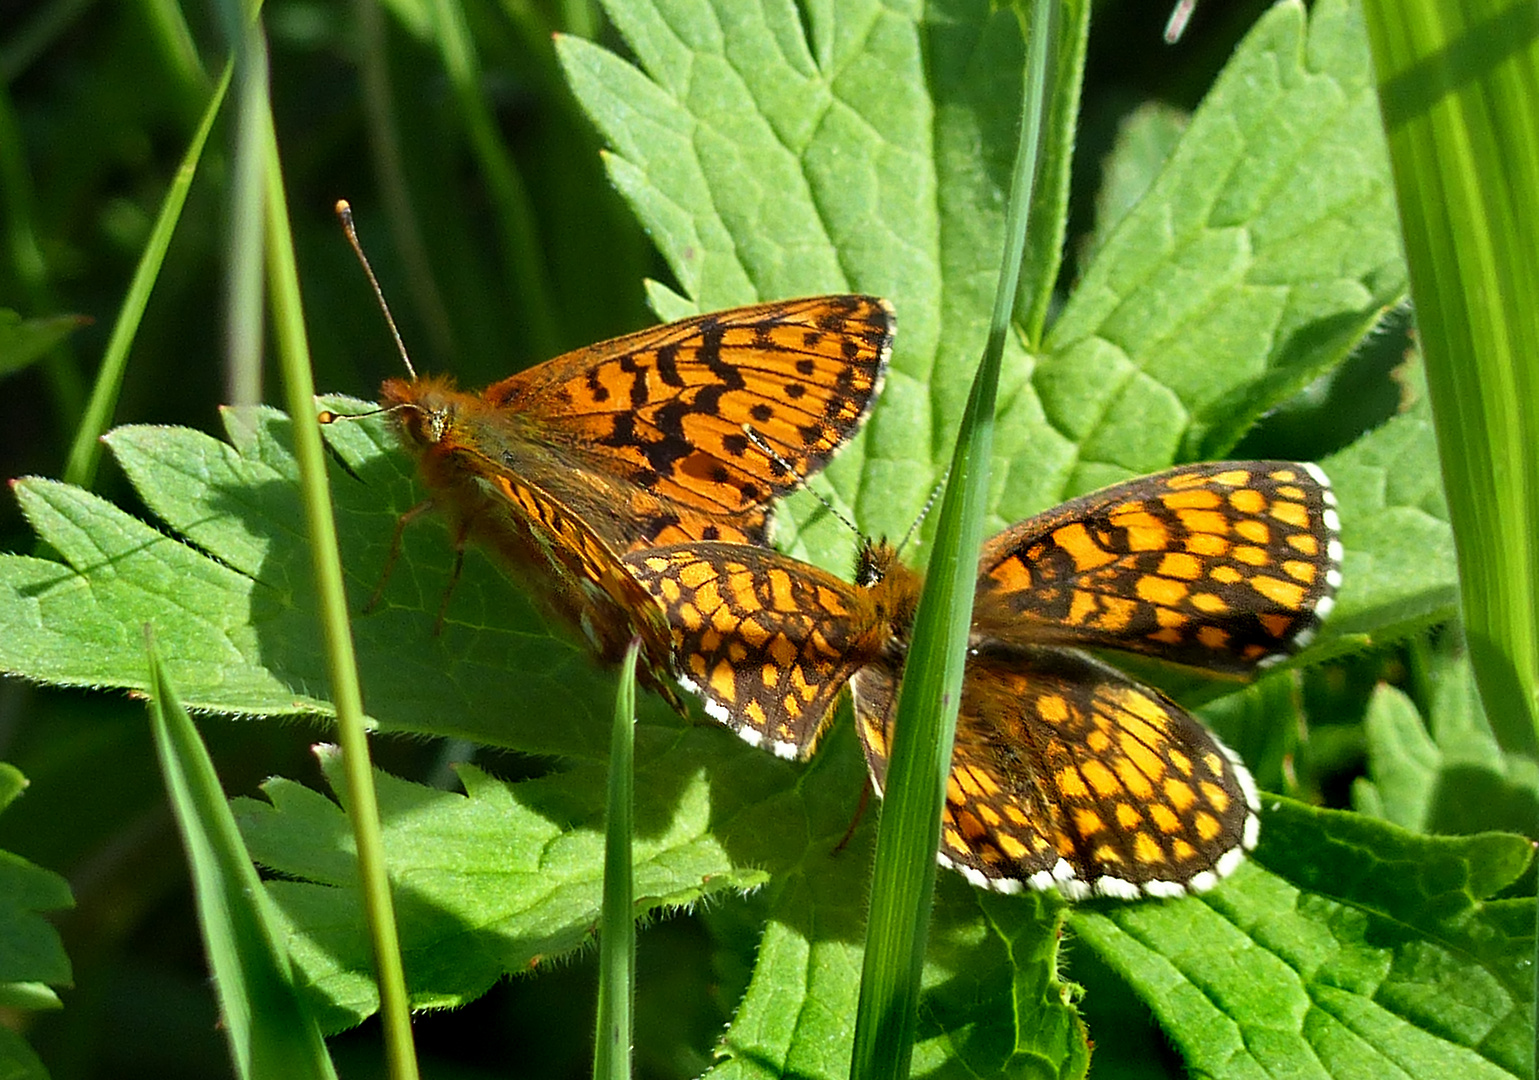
(85, 451)
(341, 660)
(270, 1033)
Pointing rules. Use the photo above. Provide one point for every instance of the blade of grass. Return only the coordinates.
(617, 934)
(269, 1030)
(176, 48)
(512, 211)
(378, 99)
(85, 452)
(244, 301)
(341, 661)
(1459, 91)
(903, 878)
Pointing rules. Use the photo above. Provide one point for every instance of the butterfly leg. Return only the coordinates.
(860, 813)
(460, 540)
(395, 551)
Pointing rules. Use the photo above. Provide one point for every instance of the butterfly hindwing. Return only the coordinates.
(765, 641)
(1067, 774)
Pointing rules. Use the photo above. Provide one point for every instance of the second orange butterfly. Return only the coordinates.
(1066, 774)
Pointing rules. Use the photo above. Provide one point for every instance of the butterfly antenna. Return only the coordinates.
(924, 511)
(345, 213)
(1180, 15)
(801, 481)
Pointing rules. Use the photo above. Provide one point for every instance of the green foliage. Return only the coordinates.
(1444, 772)
(1365, 951)
(25, 341)
(772, 151)
(32, 959)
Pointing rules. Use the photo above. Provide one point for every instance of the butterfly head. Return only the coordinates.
(424, 409)
(872, 562)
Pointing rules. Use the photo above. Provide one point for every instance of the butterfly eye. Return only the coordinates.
(436, 424)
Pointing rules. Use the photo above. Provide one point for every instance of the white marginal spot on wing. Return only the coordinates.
(1242, 775)
(1074, 889)
(1118, 889)
(1203, 881)
(971, 873)
(1167, 890)
(1229, 862)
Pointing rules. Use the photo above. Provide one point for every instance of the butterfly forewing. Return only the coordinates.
(1224, 566)
(683, 412)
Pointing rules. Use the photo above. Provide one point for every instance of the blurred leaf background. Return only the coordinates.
(97, 102)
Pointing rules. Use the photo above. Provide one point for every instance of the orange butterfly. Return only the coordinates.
(1066, 773)
(682, 432)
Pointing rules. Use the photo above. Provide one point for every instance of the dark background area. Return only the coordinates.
(94, 118)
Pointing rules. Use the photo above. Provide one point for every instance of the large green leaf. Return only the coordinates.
(1264, 250)
(1354, 949)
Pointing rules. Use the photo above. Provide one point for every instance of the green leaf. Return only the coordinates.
(495, 881)
(234, 609)
(1445, 773)
(1350, 948)
(1269, 240)
(1145, 140)
(865, 155)
(32, 958)
(24, 340)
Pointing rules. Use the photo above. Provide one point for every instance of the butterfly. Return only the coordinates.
(681, 432)
(1066, 773)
